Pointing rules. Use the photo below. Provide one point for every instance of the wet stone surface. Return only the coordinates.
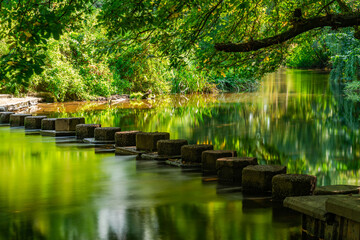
(192, 153)
(17, 120)
(86, 130)
(258, 178)
(170, 147)
(48, 124)
(68, 124)
(106, 133)
(147, 141)
(33, 122)
(289, 185)
(5, 117)
(229, 169)
(126, 138)
(336, 189)
(209, 157)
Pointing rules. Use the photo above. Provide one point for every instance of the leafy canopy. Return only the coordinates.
(183, 31)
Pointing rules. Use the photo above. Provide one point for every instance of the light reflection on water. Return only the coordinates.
(54, 190)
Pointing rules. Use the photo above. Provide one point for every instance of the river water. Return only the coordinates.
(54, 190)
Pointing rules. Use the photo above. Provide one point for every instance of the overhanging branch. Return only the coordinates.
(335, 21)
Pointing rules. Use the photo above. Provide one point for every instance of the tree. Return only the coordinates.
(260, 29)
(251, 36)
(25, 28)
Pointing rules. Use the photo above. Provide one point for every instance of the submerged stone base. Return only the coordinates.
(182, 164)
(126, 151)
(192, 153)
(155, 156)
(258, 178)
(105, 149)
(53, 133)
(229, 169)
(33, 122)
(17, 120)
(94, 141)
(32, 131)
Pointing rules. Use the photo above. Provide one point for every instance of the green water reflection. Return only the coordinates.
(50, 190)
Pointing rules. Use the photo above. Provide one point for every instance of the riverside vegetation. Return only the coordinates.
(82, 50)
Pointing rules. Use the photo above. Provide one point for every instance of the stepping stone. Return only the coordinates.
(209, 157)
(347, 207)
(48, 124)
(33, 122)
(3, 109)
(147, 141)
(86, 130)
(337, 189)
(291, 185)
(125, 138)
(17, 120)
(192, 153)
(257, 178)
(5, 117)
(170, 147)
(229, 169)
(68, 124)
(106, 133)
(312, 206)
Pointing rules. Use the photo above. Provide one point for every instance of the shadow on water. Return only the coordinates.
(50, 190)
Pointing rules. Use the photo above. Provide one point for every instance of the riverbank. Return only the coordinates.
(10, 103)
(29, 103)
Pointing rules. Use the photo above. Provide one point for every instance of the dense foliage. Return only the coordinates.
(162, 46)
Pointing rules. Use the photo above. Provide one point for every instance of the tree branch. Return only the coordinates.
(335, 21)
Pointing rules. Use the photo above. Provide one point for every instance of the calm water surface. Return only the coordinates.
(55, 190)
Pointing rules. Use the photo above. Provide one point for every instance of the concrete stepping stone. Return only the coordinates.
(17, 120)
(170, 147)
(192, 153)
(346, 206)
(86, 130)
(103, 135)
(106, 133)
(147, 141)
(257, 179)
(48, 124)
(125, 138)
(337, 189)
(209, 157)
(33, 122)
(5, 117)
(229, 169)
(291, 185)
(68, 124)
(328, 216)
